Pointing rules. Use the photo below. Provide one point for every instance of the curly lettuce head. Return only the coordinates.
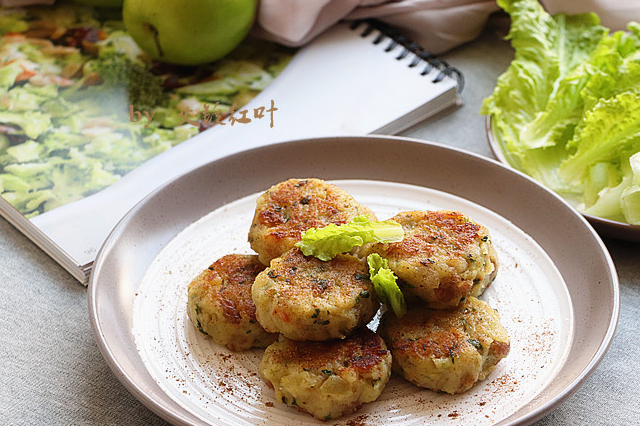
(567, 110)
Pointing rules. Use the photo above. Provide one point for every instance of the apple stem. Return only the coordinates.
(154, 33)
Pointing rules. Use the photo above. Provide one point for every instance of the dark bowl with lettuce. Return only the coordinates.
(567, 112)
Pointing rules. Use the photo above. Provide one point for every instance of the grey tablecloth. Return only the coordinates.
(51, 372)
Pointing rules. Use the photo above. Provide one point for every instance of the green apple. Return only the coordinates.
(188, 32)
(101, 3)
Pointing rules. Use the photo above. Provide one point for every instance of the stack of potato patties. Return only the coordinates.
(448, 339)
(326, 361)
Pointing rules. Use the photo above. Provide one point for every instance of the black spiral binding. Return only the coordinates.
(430, 60)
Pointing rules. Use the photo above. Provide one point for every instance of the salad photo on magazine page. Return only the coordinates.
(82, 106)
(90, 123)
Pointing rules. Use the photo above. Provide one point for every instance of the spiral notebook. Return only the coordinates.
(357, 78)
(360, 78)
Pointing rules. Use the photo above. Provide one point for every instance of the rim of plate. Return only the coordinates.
(607, 227)
(176, 414)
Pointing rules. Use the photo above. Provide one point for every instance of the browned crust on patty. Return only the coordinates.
(305, 298)
(289, 208)
(444, 230)
(436, 333)
(361, 352)
(308, 277)
(444, 257)
(229, 280)
(470, 337)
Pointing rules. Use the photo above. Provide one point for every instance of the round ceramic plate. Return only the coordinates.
(605, 227)
(560, 311)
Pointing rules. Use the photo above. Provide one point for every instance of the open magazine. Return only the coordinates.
(88, 127)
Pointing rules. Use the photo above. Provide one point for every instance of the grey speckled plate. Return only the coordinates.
(606, 227)
(544, 286)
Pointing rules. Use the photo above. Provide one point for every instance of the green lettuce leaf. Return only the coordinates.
(600, 177)
(547, 49)
(326, 243)
(33, 124)
(13, 183)
(26, 151)
(28, 97)
(567, 110)
(630, 198)
(615, 68)
(384, 283)
(566, 103)
(8, 75)
(608, 202)
(605, 133)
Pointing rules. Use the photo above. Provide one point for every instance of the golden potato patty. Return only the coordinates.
(305, 298)
(327, 379)
(220, 303)
(291, 207)
(446, 351)
(444, 257)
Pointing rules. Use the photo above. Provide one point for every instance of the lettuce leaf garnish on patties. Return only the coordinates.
(326, 243)
(384, 283)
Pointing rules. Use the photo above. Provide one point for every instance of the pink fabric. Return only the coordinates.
(437, 25)
(614, 14)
